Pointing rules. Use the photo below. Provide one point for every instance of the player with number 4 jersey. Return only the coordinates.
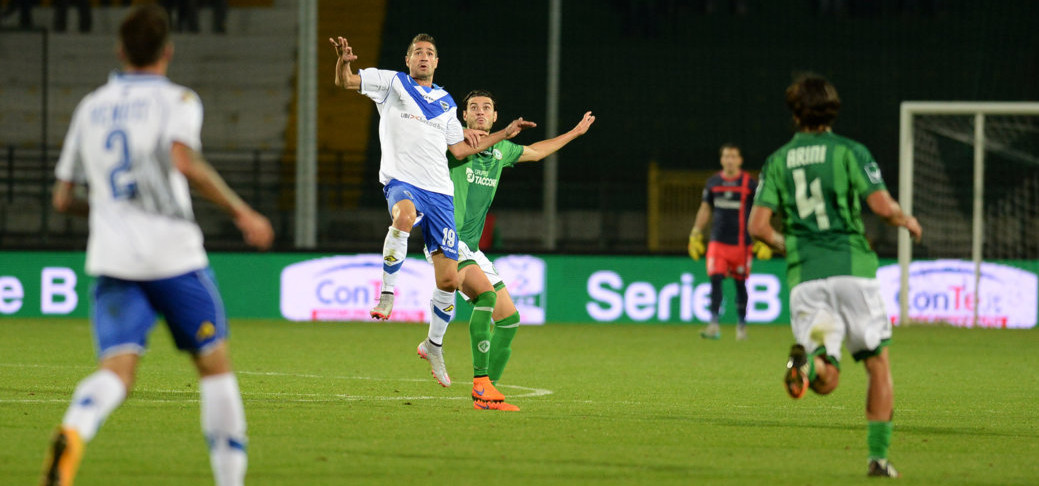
(816, 182)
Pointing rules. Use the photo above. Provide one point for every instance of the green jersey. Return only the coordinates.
(816, 182)
(476, 181)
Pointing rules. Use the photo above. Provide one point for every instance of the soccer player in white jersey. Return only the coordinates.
(418, 125)
(136, 143)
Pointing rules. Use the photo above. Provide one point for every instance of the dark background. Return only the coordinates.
(670, 81)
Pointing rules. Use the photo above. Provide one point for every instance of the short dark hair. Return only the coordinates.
(144, 34)
(726, 146)
(422, 38)
(479, 92)
(813, 101)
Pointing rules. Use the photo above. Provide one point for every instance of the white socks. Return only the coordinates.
(95, 397)
(223, 418)
(394, 251)
(223, 423)
(442, 309)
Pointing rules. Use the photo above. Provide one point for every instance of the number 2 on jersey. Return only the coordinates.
(124, 186)
(810, 204)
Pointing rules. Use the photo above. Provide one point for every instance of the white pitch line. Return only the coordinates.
(289, 397)
(531, 392)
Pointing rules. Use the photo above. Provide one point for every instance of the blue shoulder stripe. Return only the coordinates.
(431, 109)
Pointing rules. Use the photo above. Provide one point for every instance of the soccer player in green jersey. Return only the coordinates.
(815, 182)
(476, 182)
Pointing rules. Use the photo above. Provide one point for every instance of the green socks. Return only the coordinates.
(879, 437)
(501, 342)
(480, 331)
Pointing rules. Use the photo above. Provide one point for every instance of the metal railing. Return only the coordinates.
(604, 215)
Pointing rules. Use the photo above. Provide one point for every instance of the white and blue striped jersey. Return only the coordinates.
(141, 223)
(416, 126)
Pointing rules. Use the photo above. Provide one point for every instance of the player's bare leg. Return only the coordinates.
(394, 251)
(880, 404)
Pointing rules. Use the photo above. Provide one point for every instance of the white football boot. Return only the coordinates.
(383, 309)
(435, 355)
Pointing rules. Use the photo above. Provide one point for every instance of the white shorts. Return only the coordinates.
(464, 254)
(846, 309)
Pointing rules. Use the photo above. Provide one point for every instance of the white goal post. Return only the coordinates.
(979, 111)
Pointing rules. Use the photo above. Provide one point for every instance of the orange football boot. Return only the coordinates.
(502, 406)
(484, 390)
(63, 458)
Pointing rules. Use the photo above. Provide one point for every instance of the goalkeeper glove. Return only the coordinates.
(696, 248)
(761, 250)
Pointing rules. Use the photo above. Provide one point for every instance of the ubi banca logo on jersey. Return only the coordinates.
(344, 288)
(944, 291)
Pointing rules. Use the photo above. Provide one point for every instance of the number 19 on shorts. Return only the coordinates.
(449, 238)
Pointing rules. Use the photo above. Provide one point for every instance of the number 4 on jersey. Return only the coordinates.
(813, 204)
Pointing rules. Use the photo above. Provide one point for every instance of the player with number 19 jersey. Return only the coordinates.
(817, 180)
(416, 125)
(141, 223)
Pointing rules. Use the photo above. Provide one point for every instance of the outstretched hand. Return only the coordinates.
(473, 136)
(344, 52)
(517, 126)
(584, 124)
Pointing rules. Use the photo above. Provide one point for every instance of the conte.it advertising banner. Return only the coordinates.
(344, 288)
(948, 291)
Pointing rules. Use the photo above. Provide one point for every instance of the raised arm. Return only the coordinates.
(256, 229)
(887, 208)
(345, 77)
(462, 149)
(539, 150)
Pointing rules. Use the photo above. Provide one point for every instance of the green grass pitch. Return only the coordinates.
(351, 403)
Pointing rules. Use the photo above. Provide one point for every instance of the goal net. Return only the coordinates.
(969, 172)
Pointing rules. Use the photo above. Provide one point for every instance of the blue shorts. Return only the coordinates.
(436, 215)
(125, 312)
